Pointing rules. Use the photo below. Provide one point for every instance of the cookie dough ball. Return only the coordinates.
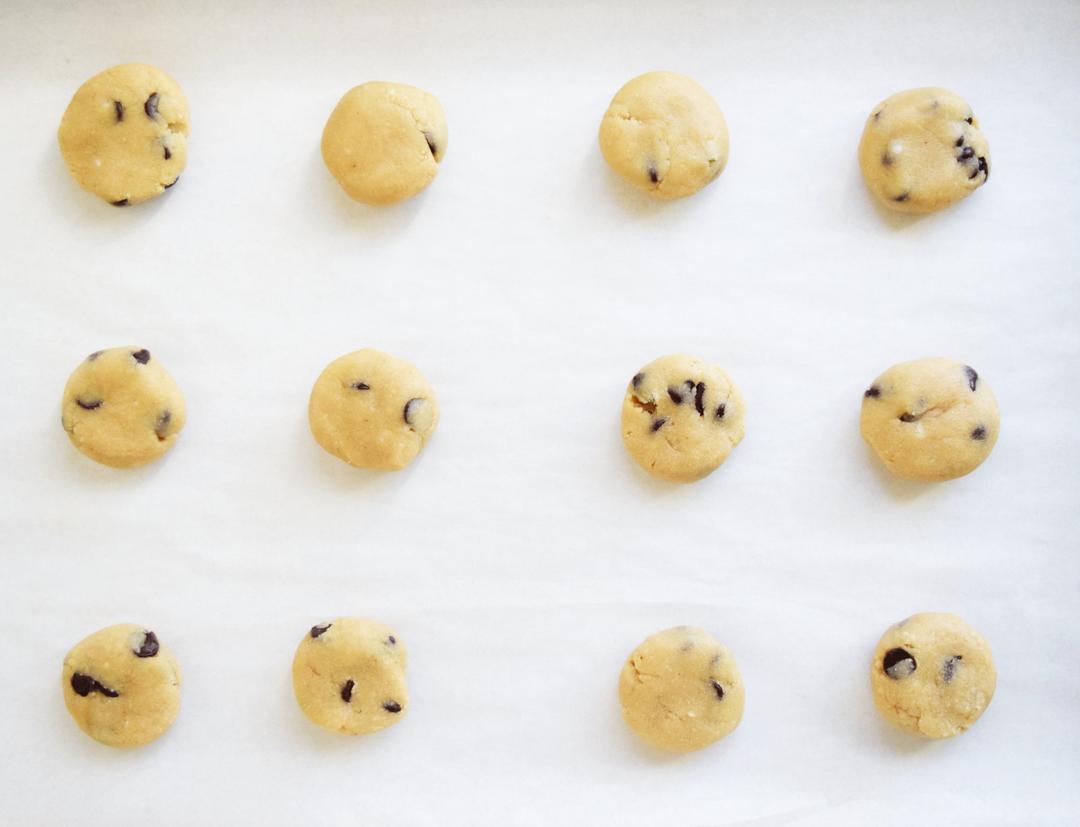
(349, 676)
(680, 690)
(921, 150)
(665, 134)
(124, 134)
(384, 141)
(372, 410)
(932, 675)
(122, 686)
(121, 408)
(930, 419)
(681, 417)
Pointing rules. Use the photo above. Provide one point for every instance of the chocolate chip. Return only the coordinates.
(718, 689)
(877, 114)
(973, 377)
(84, 685)
(699, 398)
(979, 433)
(720, 410)
(119, 107)
(161, 428)
(902, 196)
(675, 395)
(177, 178)
(886, 160)
(392, 640)
(907, 417)
(960, 141)
(123, 202)
(346, 690)
(948, 668)
(966, 152)
(412, 408)
(431, 144)
(970, 120)
(360, 386)
(93, 405)
(149, 646)
(984, 167)
(898, 663)
(658, 424)
(318, 630)
(392, 706)
(637, 379)
(150, 107)
(654, 176)
(141, 356)
(94, 355)
(873, 392)
(168, 155)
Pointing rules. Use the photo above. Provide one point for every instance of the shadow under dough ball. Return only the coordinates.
(384, 141)
(124, 134)
(665, 134)
(921, 150)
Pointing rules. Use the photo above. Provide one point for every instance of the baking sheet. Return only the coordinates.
(523, 555)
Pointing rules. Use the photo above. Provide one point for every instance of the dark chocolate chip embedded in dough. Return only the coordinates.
(658, 424)
(392, 706)
(898, 663)
(721, 409)
(123, 202)
(948, 667)
(149, 647)
(984, 167)
(360, 386)
(886, 160)
(431, 144)
(392, 640)
(873, 392)
(637, 379)
(161, 427)
(907, 417)
(83, 685)
(902, 196)
(318, 630)
(960, 141)
(177, 178)
(676, 396)
(94, 355)
(979, 433)
(150, 107)
(654, 176)
(346, 690)
(92, 405)
(718, 689)
(168, 153)
(141, 356)
(966, 152)
(972, 376)
(699, 398)
(411, 409)
(877, 114)
(970, 120)
(119, 107)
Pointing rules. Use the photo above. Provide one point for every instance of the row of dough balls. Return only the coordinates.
(929, 419)
(124, 138)
(680, 690)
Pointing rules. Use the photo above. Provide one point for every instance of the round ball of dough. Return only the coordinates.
(921, 150)
(121, 408)
(384, 141)
(930, 419)
(680, 690)
(124, 134)
(681, 417)
(349, 676)
(122, 686)
(372, 410)
(932, 675)
(665, 134)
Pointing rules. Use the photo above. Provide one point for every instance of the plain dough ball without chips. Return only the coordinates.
(932, 675)
(372, 410)
(930, 419)
(665, 134)
(121, 408)
(349, 676)
(681, 417)
(122, 686)
(384, 141)
(680, 690)
(124, 134)
(921, 150)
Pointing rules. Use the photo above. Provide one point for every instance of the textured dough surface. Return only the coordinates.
(121, 408)
(384, 141)
(921, 150)
(122, 686)
(932, 675)
(349, 676)
(372, 410)
(680, 690)
(681, 417)
(665, 134)
(930, 419)
(124, 134)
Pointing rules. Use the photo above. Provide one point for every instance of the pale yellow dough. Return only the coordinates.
(680, 690)
(665, 134)
(124, 134)
(932, 675)
(384, 141)
(349, 676)
(681, 417)
(930, 419)
(121, 408)
(122, 686)
(372, 410)
(921, 150)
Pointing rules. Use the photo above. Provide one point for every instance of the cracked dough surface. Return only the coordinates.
(921, 150)
(349, 676)
(372, 410)
(384, 141)
(665, 134)
(124, 134)
(932, 675)
(930, 419)
(680, 690)
(681, 417)
(121, 408)
(122, 686)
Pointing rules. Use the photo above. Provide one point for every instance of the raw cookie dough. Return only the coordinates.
(121, 408)
(372, 410)
(932, 675)
(681, 417)
(680, 690)
(384, 141)
(665, 134)
(921, 150)
(124, 134)
(349, 676)
(122, 686)
(930, 419)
